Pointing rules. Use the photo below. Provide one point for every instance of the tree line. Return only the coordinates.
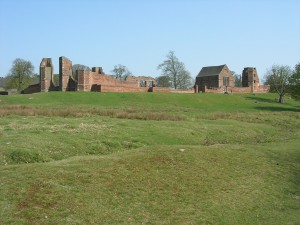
(282, 79)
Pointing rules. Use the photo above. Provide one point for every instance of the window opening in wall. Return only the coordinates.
(142, 83)
(225, 81)
(150, 83)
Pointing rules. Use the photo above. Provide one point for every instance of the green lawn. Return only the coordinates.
(149, 158)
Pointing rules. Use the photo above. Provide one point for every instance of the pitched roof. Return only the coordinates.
(210, 71)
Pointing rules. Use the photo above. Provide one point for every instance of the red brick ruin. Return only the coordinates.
(214, 79)
(218, 79)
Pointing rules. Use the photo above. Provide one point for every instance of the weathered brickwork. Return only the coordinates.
(96, 80)
(65, 73)
(239, 90)
(46, 74)
(85, 80)
(142, 81)
(218, 79)
(213, 79)
(250, 77)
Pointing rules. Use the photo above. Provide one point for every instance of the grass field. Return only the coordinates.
(149, 158)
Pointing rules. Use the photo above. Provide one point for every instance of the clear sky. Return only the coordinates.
(140, 33)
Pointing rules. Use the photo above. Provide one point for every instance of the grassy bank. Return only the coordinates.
(149, 158)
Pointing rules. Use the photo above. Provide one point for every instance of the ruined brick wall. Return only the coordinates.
(239, 90)
(105, 80)
(262, 89)
(161, 89)
(169, 90)
(146, 81)
(65, 72)
(98, 70)
(226, 73)
(96, 80)
(250, 77)
(84, 80)
(107, 88)
(183, 91)
(46, 74)
(208, 81)
(211, 90)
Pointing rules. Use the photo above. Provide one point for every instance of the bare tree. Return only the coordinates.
(237, 79)
(278, 77)
(174, 69)
(120, 72)
(20, 75)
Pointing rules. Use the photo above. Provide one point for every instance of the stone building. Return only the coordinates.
(250, 77)
(218, 79)
(214, 77)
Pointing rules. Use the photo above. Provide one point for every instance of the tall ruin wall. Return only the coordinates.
(46, 74)
(65, 72)
(250, 77)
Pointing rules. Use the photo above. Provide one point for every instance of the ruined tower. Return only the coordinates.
(65, 72)
(250, 77)
(46, 74)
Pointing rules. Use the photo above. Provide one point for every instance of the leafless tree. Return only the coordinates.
(237, 79)
(120, 72)
(174, 69)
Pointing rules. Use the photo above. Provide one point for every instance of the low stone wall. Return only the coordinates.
(263, 89)
(169, 90)
(113, 88)
(212, 90)
(183, 91)
(160, 89)
(240, 90)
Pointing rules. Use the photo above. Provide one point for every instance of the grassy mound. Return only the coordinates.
(148, 158)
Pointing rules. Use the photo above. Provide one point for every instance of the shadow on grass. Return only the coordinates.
(278, 108)
(261, 99)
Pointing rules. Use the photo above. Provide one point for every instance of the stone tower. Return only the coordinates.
(46, 74)
(65, 72)
(250, 77)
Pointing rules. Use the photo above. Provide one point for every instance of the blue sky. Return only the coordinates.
(139, 33)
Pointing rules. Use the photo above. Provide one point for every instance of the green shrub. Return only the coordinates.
(25, 156)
